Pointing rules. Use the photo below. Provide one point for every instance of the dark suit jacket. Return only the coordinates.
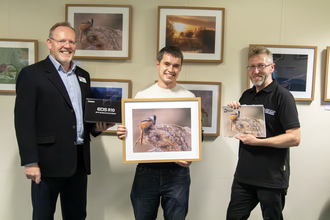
(45, 121)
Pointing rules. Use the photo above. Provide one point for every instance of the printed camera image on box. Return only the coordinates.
(105, 106)
(102, 110)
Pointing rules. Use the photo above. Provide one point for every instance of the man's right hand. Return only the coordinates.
(121, 131)
(234, 104)
(33, 172)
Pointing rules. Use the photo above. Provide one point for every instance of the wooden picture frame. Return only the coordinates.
(197, 31)
(102, 31)
(295, 69)
(210, 93)
(15, 54)
(161, 138)
(122, 88)
(326, 95)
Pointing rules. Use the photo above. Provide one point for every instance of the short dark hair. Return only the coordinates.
(171, 50)
(59, 24)
(260, 50)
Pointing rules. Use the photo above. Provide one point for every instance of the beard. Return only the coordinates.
(262, 82)
(63, 60)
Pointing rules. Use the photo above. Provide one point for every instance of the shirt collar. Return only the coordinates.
(271, 86)
(59, 67)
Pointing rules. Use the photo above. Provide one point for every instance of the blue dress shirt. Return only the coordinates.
(71, 83)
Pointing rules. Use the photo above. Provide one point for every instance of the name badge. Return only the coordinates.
(82, 79)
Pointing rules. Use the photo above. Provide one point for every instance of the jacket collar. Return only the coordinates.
(55, 78)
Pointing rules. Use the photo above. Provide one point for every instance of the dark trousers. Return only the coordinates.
(72, 192)
(244, 198)
(170, 186)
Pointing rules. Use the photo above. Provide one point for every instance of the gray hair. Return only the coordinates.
(260, 50)
(60, 24)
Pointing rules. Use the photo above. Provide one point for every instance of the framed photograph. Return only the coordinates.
(113, 89)
(210, 94)
(197, 31)
(295, 69)
(14, 55)
(102, 31)
(162, 130)
(327, 77)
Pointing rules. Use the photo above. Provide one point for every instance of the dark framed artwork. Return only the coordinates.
(210, 94)
(153, 136)
(102, 31)
(15, 54)
(295, 69)
(197, 31)
(113, 89)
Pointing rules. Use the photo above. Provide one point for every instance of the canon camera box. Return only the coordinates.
(103, 110)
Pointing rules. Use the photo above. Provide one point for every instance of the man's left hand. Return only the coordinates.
(184, 163)
(102, 126)
(248, 139)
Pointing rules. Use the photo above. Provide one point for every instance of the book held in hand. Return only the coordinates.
(248, 119)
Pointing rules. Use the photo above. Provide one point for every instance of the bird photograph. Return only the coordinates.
(3, 68)
(98, 31)
(161, 130)
(246, 120)
(12, 60)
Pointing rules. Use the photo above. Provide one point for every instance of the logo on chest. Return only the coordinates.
(270, 111)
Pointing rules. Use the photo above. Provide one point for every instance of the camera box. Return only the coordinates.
(102, 110)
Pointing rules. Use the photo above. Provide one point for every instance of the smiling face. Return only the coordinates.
(261, 78)
(62, 53)
(169, 68)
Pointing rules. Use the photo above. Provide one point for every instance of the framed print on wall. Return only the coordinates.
(327, 78)
(102, 31)
(153, 136)
(15, 54)
(197, 31)
(115, 89)
(210, 93)
(295, 68)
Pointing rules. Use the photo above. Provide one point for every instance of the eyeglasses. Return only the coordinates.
(63, 42)
(259, 67)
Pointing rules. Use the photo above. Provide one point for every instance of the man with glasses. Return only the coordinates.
(263, 169)
(53, 139)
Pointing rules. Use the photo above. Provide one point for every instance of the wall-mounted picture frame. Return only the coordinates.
(326, 95)
(210, 94)
(102, 31)
(295, 69)
(197, 31)
(15, 54)
(153, 136)
(117, 89)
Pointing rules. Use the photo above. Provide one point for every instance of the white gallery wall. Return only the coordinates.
(285, 22)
